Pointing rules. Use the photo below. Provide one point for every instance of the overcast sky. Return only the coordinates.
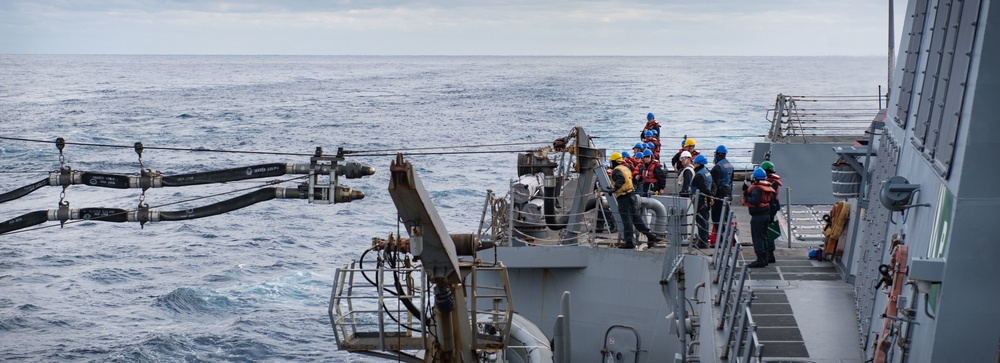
(447, 27)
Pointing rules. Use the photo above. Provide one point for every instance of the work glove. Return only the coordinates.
(745, 187)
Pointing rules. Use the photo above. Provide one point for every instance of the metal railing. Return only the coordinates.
(734, 298)
(743, 344)
(367, 311)
(367, 314)
(811, 116)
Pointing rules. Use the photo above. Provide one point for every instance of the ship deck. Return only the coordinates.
(804, 309)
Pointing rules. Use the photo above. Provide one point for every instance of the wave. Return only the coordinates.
(186, 300)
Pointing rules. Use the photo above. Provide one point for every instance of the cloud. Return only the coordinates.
(545, 27)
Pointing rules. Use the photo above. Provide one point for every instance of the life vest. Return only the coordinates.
(649, 172)
(775, 181)
(656, 146)
(651, 126)
(835, 223)
(629, 163)
(705, 175)
(680, 176)
(765, 196)
(627, 187)
(678, 166)
(726, 179)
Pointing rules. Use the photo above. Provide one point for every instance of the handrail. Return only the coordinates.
(841, 116)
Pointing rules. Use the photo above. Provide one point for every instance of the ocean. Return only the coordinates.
(254, 284)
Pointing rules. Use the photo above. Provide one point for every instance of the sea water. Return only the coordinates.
(254, 284)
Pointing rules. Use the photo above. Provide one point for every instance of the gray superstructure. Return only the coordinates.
(909, 279)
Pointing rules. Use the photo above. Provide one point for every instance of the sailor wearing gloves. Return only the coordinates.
(757, 197)
(628, 206)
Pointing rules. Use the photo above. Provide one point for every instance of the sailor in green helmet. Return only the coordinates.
(774, 229)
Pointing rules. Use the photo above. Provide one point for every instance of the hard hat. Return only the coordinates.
(615, 156)
(647, 154)
(759, 174)
(767, 166)
(650, 145)
(649, 116)
(700, 159)
(685, 154)
(688, 142)
(639, 145)
(649, 133)
(655, 133)
(721, 149)
(625, 154)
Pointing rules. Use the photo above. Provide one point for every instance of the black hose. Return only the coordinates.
(22, 191)
(105, 180)
(24, 221)
(227, 175)
(399, 290)
(225, 206)
(104, 214)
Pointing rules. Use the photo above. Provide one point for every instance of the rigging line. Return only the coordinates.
(273, 182)
(163, 148)
(446, 153)
(676, 137)
(449, 147)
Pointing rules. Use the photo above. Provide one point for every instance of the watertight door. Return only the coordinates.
(621, 345)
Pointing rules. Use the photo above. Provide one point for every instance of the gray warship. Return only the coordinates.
(885, 254)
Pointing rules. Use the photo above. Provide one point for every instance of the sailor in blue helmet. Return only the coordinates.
(653, 177)
(722, 183)
(757, 197)
(651, 124)
(702, 182)
(653, 143)
(628, 203)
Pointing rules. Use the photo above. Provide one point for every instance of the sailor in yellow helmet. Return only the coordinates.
(689, 147)
(628, 203)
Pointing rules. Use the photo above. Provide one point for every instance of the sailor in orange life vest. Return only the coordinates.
(653, 178)
(775, 181)
(628, 203)
(651, 124)
(757, 197)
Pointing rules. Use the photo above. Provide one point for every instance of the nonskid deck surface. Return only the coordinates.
(804, 309)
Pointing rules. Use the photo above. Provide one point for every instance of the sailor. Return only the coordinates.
(651, 124)
(757, 197)
(722, 183)
(685, 175)
(703, 183)
(628, 206)
(653, 143)
(775, 181)
(654, 178)
(689, 147)
(639, 146)
(628, 161)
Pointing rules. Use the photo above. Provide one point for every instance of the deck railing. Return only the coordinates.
(818, 116)
(368, 314)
